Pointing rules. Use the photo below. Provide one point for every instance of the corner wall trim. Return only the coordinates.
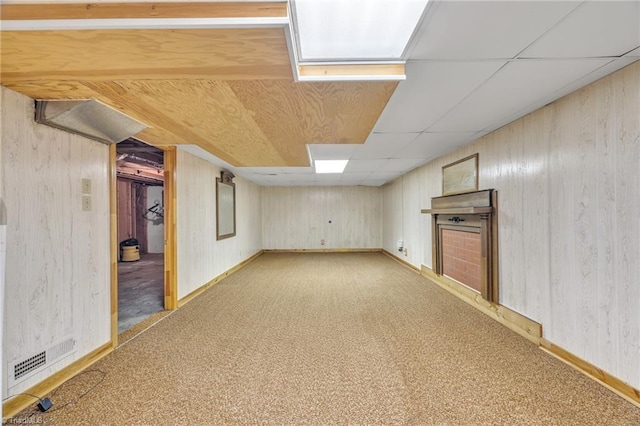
(216, 280)
(514, 321)
(401, 261)
(19, 402)
(612, 383)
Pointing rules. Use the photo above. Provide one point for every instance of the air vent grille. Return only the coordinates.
(60, 349)
(21, 369)
(28, 365)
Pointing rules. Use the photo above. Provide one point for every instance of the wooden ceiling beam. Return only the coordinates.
(344, 71)
(238, 72)
(93, 55)
(47, 11)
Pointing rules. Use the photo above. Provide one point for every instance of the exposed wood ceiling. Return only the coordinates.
(228, 96)
(229, 91)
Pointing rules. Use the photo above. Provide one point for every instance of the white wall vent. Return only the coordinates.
(24, 368)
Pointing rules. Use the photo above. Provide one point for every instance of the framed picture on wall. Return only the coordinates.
(460, 176)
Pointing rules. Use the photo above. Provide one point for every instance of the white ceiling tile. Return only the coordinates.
(379, 175)
(350, 180)
(430, 90)
(609, 68)
(634, 53)
(329, 178)
(432, 145)
(403, 165)
(516, 87)
(382, 145)
(275, 178)
(296, 170)
(354, 166)
(374, 182)
(596, 29)
(357, 175)
(331, 151)
(310, 177)
(486, 29)
(282, 183)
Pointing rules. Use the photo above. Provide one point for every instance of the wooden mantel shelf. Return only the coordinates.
(458, 210)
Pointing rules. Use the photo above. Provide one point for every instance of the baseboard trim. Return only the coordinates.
(195, 293)
(612, 383)
(514, 321)
(19, 402)
(332, 250)
(401, 261)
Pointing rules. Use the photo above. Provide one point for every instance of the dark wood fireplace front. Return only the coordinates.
(465, 240)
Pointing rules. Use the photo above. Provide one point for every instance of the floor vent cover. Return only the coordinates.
(23, 369)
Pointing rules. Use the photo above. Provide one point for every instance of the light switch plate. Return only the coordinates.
(86, 203)
(86, 186)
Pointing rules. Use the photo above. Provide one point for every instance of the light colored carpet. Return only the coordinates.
(333, 339)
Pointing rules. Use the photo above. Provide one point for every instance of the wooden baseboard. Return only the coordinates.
(514, 321)
(19, 402)
(401, 261)
(216, 280)
(333, 250)
(612, 383)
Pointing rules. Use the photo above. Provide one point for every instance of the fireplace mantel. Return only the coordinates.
(471, 212)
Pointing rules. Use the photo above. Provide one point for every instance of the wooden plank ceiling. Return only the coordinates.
(229, 91)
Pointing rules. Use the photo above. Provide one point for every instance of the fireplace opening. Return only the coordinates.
(465, 244)
(461, 256)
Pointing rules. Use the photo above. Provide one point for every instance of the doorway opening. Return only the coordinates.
(140, 186)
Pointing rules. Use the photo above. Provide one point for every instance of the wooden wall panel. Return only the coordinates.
(58, 259)
(298, 217)
(392, 215)
(568, 181)
(626, 254)
(200, 257)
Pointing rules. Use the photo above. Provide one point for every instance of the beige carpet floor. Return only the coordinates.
(332, 339)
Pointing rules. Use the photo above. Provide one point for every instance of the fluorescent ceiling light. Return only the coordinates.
(330, 166)
(330, 30)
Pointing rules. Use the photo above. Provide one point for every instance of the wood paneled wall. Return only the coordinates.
(200, 257)
(58, 279)
(568, 181)
(298, 217)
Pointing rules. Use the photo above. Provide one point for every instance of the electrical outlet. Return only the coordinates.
(322, 242)
(406, 252)
(86, 186)
(86, 203)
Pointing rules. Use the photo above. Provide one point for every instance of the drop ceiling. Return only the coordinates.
(228, 94)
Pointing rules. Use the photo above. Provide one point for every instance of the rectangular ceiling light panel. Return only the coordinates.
(338, 30)
(330, 166)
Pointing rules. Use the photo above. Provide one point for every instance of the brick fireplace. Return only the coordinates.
(461, 257)
(465, 244)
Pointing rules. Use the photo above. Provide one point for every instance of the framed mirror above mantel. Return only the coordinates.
(465, 240)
